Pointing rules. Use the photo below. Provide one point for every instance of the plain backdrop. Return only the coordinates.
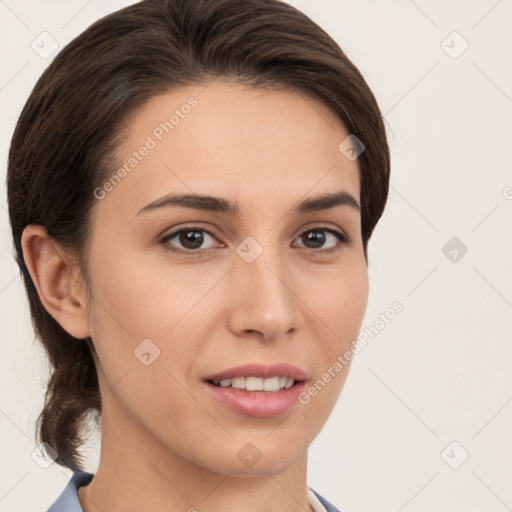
(424, 421)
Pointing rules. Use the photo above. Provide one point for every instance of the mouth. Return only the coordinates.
(257, 390)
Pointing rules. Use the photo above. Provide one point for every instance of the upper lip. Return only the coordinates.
(260, 370)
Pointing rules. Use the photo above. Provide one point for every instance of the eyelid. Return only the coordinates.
(327, 227)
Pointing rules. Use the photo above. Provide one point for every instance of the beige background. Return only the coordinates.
(440, 371)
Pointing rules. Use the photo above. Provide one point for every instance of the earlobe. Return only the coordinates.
(55, 280)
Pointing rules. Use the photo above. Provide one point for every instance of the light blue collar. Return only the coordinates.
(68, 500)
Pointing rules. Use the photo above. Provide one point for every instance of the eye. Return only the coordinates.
(315, 238)
(192, 238)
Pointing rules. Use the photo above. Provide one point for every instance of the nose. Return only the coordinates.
(263, 298)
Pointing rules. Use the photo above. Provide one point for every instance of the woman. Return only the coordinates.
(192, 186)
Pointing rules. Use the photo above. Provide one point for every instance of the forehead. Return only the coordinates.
(231, 140)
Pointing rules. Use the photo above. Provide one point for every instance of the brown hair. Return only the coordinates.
(64, 141)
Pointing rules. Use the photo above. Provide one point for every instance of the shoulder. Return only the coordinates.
(68, 499)
(329, 507)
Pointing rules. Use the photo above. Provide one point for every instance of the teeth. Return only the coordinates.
(272, 384)
(238, 383)
(256, 383)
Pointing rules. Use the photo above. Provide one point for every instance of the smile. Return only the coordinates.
(258, 390)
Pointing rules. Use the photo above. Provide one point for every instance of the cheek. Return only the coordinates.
(140, 299)
(340, 301)
(136, 302)
(351, 302)
(341, 306)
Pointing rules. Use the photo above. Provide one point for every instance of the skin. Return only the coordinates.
(166, 445)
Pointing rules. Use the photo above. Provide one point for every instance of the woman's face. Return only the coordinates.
(269, 284)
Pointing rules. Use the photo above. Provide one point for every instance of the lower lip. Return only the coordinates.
(261, 404)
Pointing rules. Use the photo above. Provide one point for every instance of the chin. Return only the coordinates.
(269, 460)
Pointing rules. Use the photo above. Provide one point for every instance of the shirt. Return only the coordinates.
(68, 499)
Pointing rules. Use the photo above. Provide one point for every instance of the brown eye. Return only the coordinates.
(191, 239)
(316, 238)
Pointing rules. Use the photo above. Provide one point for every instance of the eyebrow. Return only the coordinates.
(220, 205)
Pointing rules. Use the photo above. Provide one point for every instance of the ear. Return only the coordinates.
(57, 281)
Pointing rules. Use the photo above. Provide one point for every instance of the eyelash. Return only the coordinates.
(342, 239)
